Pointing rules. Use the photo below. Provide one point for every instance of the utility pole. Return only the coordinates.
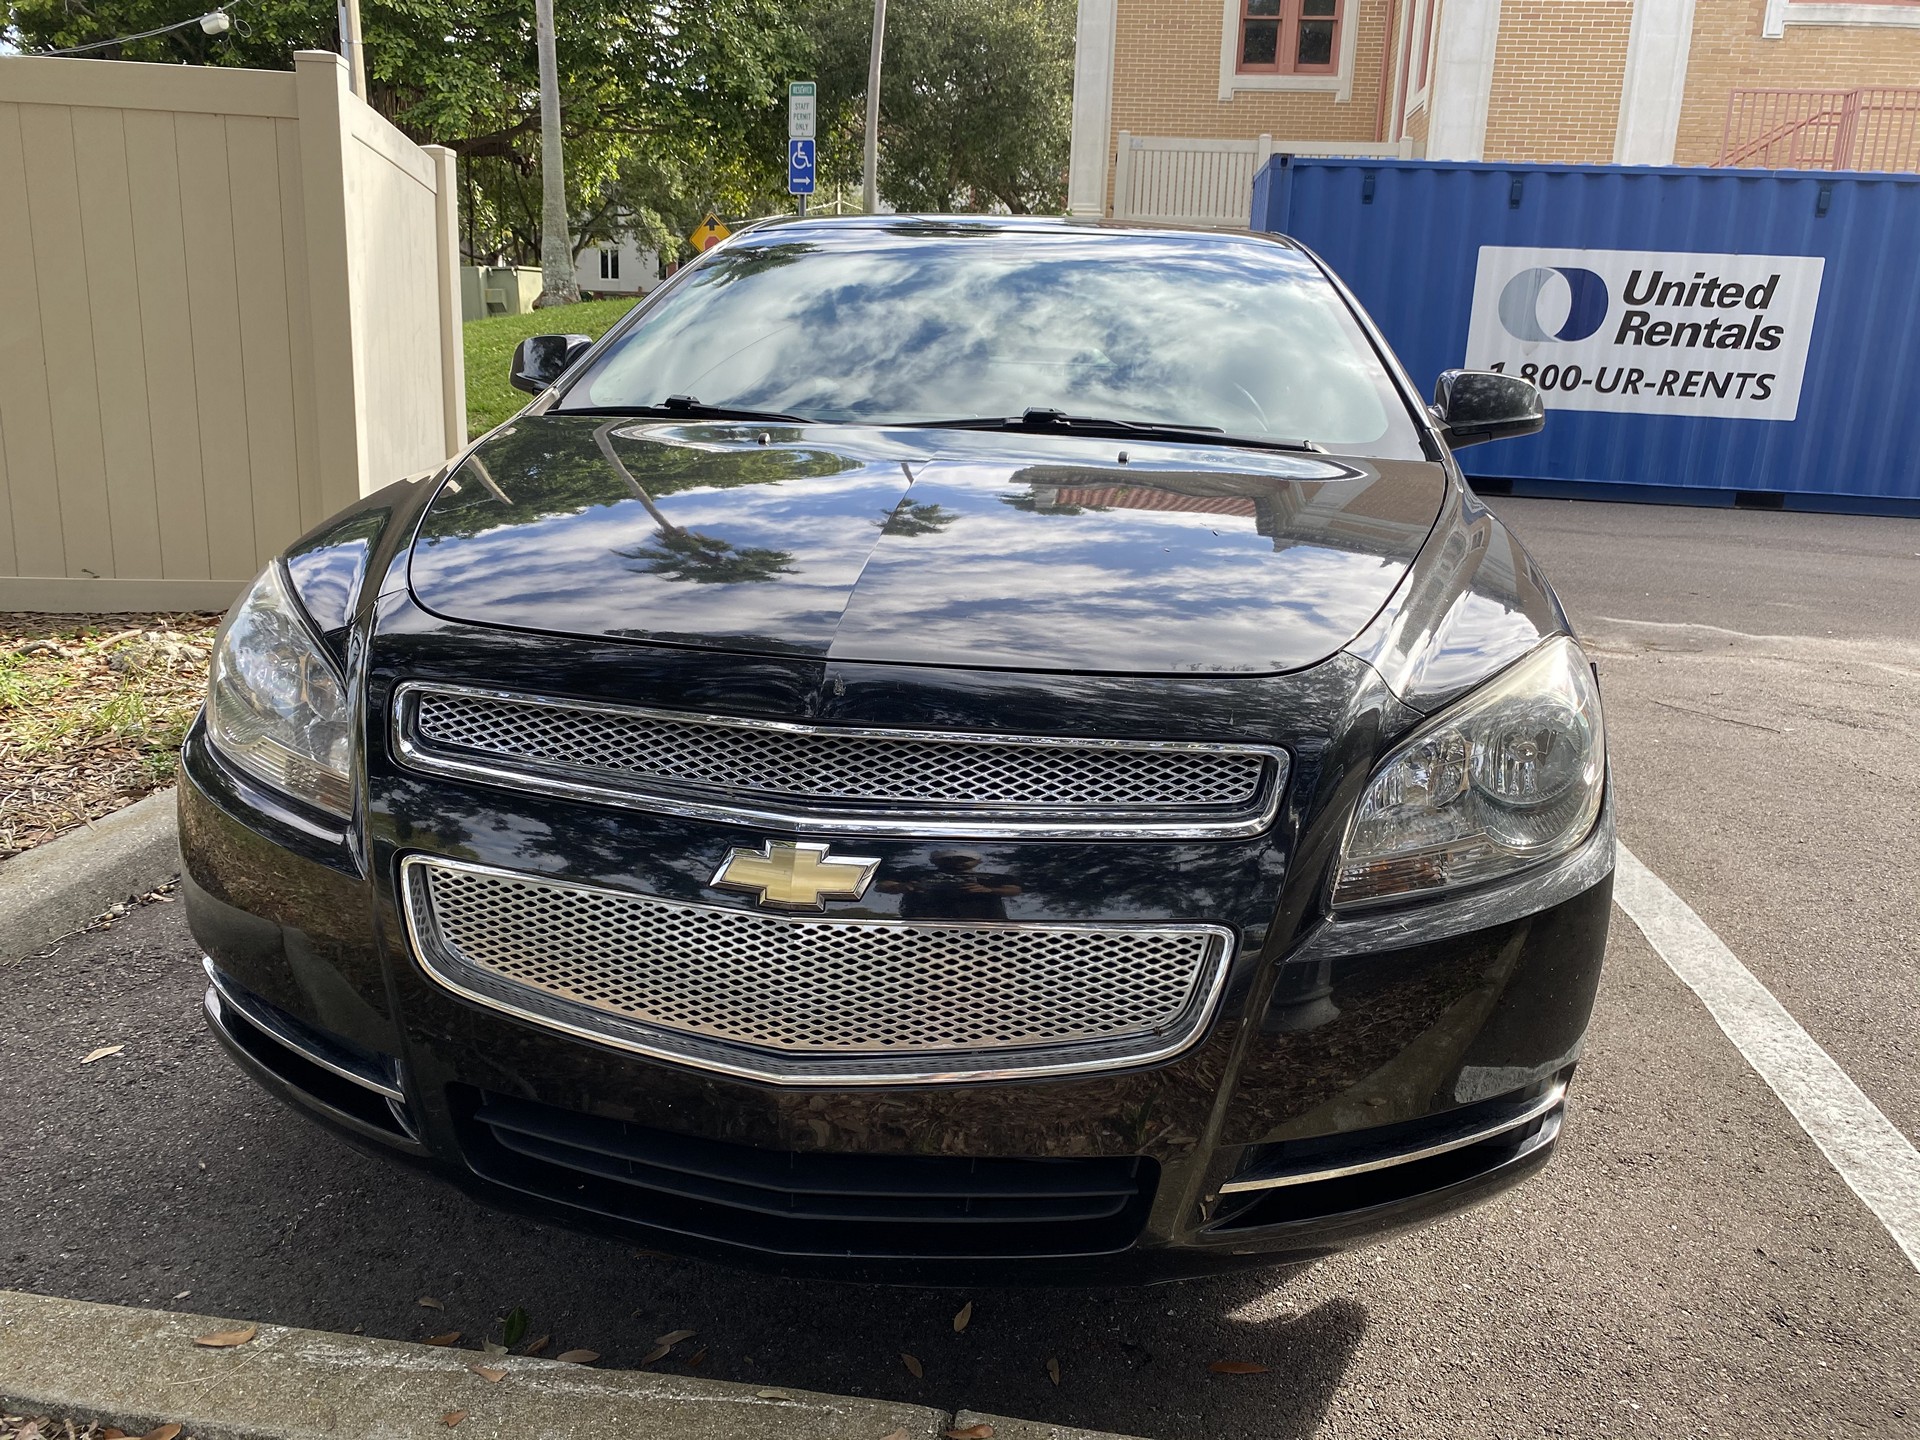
(350, 47)
(557, 283)
(870, 176)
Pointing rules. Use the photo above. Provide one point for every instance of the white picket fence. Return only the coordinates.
(1177, 180)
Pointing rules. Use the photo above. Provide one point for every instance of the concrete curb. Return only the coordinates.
(140, 1368)
(55, 888)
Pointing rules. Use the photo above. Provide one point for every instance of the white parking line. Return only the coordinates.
(1872, 1156)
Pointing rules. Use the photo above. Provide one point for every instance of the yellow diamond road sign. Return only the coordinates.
(708, 233)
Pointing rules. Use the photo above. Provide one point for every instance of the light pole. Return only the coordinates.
(870, 176)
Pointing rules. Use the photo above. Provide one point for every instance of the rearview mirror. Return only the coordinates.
(1477, 405)
(539, 360)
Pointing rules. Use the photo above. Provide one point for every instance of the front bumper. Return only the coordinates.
(1385, 1072)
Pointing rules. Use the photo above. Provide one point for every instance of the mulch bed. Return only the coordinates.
(92, 712)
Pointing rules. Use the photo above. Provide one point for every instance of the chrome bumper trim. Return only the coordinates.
(221, 995)
(1460, 1139)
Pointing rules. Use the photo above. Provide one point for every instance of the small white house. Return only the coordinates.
(618, 269)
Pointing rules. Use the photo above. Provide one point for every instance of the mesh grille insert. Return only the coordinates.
(829, 769)
(696, 981)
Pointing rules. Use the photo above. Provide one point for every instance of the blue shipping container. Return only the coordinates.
(1413, 237)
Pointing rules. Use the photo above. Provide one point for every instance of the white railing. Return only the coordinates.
(1177, 180)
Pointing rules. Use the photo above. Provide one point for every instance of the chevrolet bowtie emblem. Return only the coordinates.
(794, 875)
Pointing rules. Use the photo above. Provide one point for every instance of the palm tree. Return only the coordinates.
(558, 286)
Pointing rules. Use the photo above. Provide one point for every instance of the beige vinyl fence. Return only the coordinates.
(229, 305)
(1180, 180)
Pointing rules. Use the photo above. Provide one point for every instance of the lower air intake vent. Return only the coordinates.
(808, 1204)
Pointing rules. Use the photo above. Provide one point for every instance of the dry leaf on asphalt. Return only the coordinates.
(658, 1352)
(1053, 1371)
(698, 1358)
(674, 1337)
(430, 1303)
(913, 1365)
(113, 1432)
(772, 1395)
(894, 1435)
(453, 1418)
(489, 1373)
(452, 1337)
(534, 1347)
(960, 1320)
(578, 1357)
(1238, 1367)
(982, 1431)
(227, 1339)
(102, 1053)
(162, 1432)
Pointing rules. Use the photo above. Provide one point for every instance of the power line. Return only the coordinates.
(214, 22)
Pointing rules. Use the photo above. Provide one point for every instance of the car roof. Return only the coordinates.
(909, 227)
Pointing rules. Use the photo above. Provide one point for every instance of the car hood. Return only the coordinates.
(926, 547)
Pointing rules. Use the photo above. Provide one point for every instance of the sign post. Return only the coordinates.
(802, 100)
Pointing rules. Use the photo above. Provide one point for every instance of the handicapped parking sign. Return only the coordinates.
(800, 167)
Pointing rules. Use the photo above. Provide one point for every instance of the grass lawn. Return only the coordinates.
(490, 342)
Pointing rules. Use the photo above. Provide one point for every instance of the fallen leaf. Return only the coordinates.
(981, 1431)
(534, 1347)
(452, 1337)
(102, 1053)
(1238, 1367)
(226, 1339)
(453, 1418)
(674, 1337)
(490, 1349)
(699, 1357)
(183, 1294)
(514, 1327)
(578, 1357)
(894, 1435)
(772, 1395)
(430, 1303)
(488, 1373)
(1053, 1371)
(162, 1432)
(113, 1432)
(659, 1352)
(960, 1320)
(913, 1366)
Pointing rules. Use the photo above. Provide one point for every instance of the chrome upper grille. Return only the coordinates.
(841, 779)
(796, 1000)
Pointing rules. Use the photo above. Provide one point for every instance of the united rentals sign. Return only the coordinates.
(1648, 332)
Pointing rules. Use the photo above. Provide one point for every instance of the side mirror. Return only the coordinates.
(1477, 405)
(539, 360)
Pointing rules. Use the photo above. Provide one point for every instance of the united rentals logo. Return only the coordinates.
(1586, 303)
(1652, 332)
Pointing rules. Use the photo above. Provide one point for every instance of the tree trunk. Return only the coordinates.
(558, 286)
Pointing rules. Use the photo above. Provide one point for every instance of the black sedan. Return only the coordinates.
(939, 749)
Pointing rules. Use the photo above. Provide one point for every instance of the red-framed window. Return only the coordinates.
(1290, 37)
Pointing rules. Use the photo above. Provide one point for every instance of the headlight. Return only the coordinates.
(1504, 779)
(276, 707)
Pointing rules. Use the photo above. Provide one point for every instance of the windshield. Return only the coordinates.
(921, 322)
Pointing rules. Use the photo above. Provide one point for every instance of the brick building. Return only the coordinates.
(1177, 102)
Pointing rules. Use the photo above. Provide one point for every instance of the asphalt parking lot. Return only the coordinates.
(1690, 1265)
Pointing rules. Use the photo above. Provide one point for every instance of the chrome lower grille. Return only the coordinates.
(811, 1001)
(840, 778)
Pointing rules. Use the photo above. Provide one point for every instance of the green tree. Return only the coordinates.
(670, 108)
(975, 101)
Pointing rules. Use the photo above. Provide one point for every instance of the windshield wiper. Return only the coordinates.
(1047, 422)
(684, 407)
